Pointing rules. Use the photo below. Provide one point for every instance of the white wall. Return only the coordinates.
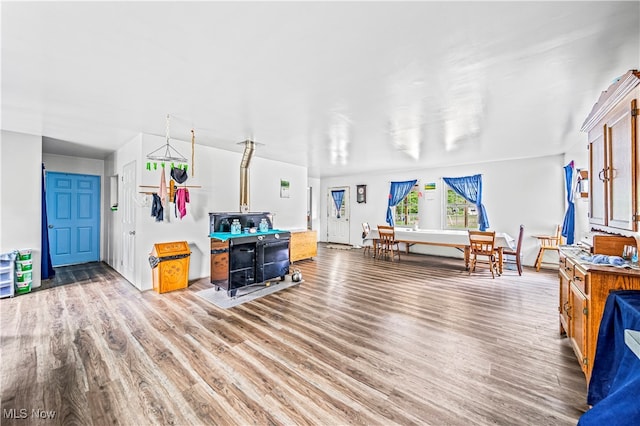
(528, 192)
(84, 166)
(217, 173)
(21, 196)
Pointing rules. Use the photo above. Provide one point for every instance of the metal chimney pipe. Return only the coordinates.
(249, 147)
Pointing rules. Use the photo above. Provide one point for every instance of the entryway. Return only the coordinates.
(73, 214)
(338, 215)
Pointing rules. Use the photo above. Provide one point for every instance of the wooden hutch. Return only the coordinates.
(614, 215)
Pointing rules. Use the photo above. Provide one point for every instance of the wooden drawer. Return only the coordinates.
(567, 266)
(611, 245)
(217, 244)
(580, 279)
(562, 261)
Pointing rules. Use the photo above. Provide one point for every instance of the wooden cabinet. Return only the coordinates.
(172, 271)
(584, 289)
(578, 324)
(565, 273)
(574, 308)
(220, 263)
(303, 245)
(614, 156)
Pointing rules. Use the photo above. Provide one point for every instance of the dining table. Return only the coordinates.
(456, 238)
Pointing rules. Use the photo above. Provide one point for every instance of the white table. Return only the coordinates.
(444, 237)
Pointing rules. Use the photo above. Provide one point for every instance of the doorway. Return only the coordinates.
(128, 237)
(338, 215)
(73, 214)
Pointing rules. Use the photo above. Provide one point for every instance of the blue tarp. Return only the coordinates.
(614, 388)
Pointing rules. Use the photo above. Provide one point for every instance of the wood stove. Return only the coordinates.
(240, 260)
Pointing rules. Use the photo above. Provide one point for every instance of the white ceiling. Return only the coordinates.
(341, 87)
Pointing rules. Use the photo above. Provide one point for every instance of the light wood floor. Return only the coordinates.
(361, 341)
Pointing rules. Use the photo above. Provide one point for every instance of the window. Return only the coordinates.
(407, 209)
(343, 209)
(461, 214)
(342, 195)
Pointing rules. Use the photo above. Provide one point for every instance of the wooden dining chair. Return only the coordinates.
(388, 243)
(509, 252)
(366, 244)
(548, 242)
(482, 243)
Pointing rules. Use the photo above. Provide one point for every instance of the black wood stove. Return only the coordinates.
(248, 258)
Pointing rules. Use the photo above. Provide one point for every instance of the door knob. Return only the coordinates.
(132, 232)
(50, 226)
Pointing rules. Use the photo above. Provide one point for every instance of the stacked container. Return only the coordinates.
(24, 270)
(6, 274)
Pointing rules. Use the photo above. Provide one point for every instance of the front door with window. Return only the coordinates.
(338, 217)
(73, 210)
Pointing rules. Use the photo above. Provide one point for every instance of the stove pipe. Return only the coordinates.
(249, 147)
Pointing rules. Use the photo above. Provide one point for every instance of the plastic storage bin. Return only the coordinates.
(24, 254)
(23, 267)
(23, 282)
(170, 266)
(7, 274)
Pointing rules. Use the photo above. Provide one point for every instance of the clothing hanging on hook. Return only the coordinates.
(179, 175)
(163, 188)
(156, 208)
(181, 200)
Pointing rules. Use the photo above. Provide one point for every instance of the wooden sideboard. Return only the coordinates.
(303, 245)
(584, 289)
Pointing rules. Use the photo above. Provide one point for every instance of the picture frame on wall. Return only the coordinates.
(361, 193)
(284, 188)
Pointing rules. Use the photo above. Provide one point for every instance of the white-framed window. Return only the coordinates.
(460, 214)
(406, 212)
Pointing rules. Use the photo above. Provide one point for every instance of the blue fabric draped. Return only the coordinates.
(614, 388)
(470, 188)
(47, 270)
(568, 227)
(337, 200)
(398, 191)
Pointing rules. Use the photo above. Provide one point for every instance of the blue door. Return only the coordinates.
(73, 212)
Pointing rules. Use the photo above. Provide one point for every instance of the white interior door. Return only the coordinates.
(338, 218)
(128, 221)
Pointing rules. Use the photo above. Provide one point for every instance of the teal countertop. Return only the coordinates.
(224, 236)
